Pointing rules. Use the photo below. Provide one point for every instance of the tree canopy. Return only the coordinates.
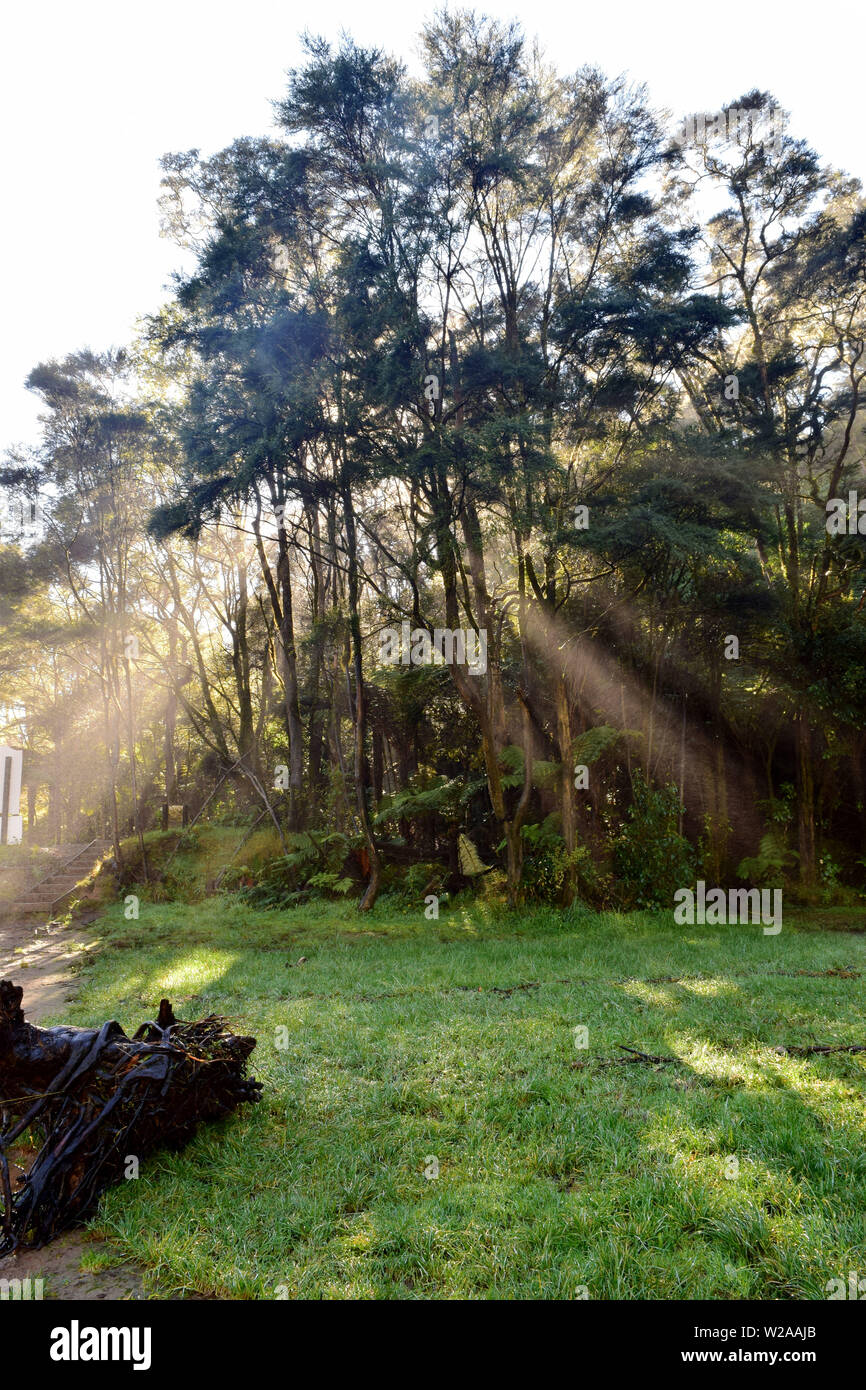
(484, 362)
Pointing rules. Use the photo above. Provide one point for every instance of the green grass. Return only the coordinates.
(552, 1178)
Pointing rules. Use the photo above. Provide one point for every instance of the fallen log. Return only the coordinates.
(94, 1098)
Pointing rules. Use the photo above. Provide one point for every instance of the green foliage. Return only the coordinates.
(440, 794)
(544, 876)
(287, 378)
(544, 860)
(772, 862)
(278, 883)
(288, 879)
(332, 881)
(589, 746)
(408, 887)
(547, 866)
(540, 836)
(650, 858)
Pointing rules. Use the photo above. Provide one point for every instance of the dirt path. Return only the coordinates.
(40, 959)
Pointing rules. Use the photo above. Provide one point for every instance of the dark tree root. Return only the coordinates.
(94, 1099)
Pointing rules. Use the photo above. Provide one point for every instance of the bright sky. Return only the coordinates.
(93, 92)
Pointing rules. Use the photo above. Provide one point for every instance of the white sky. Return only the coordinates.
(92, 92)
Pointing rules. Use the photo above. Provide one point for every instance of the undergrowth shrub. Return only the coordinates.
(651, 860)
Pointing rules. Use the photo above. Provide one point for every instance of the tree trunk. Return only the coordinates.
(170, 723)
(564, 743)
(290, 680)
(805, 802)
(360, 720)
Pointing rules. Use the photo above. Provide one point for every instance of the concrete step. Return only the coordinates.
(61, 884)
(49, 885)
(27, 908)
(50, 890)
(47, 898)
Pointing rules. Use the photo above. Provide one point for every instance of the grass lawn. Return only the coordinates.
(411, 1040)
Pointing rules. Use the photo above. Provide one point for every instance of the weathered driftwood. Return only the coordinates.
(93, 1098)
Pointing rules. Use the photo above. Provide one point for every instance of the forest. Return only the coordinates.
(480, 513)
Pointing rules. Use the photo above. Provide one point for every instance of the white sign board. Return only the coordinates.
(11, 824)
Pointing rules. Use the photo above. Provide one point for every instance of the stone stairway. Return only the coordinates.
(46, 896)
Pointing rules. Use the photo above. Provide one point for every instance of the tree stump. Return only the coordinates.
(94, 1098)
